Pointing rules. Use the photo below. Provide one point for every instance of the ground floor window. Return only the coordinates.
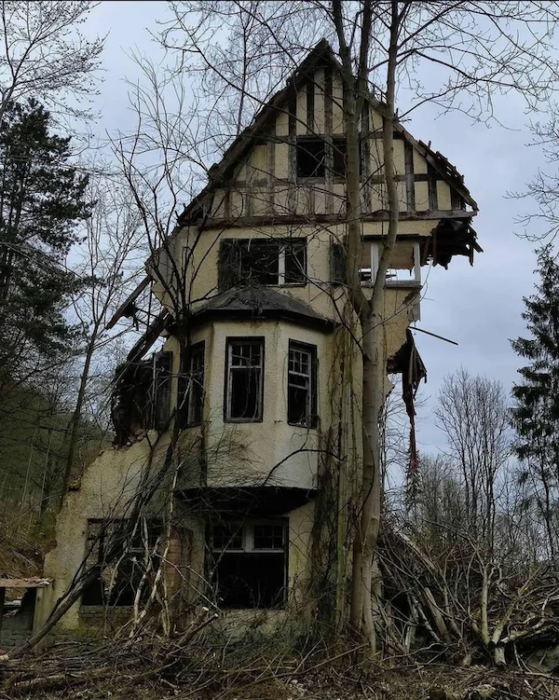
(250, 563)
(119, 555)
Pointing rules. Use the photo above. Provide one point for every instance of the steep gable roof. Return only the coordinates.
(321, 56)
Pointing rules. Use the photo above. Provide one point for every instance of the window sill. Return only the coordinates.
(312, 426)
(243, 420)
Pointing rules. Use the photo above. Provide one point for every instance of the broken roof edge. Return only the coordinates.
(322, 51)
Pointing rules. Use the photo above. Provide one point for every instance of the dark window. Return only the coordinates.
(339, 159)
(227, 536)
(311, 157)
(120, 560)
(161, 390)
(301, 385)
(191, 388)
(338, 264)
(244, 391)
(263, 262)
(255, 575)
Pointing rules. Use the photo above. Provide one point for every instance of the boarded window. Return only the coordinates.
(250, 564)
(301, 385)
(262, 262)
(191, 388)
(244, 381)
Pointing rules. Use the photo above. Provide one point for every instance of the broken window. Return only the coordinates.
(245, 376)
(250, 564)
(266, 262)
(301, 385)
(120, 559)
(191, 388)
(311, 157)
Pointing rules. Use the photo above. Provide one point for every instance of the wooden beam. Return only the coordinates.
(129, 300)
(312, 220)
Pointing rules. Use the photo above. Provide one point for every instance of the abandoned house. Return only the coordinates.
(257, 385)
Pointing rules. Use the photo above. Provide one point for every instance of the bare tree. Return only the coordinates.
(473, 413)
(112, 253)
(43, 54)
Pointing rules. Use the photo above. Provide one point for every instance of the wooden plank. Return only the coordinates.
(24, 583)
(129, 300)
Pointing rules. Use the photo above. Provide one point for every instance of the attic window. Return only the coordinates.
(250, 564)
(339, 160)
(311, 157)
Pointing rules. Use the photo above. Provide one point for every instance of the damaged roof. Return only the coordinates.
(320, 56)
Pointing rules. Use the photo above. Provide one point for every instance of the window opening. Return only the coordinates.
(245, 362)
(311, 158)
(405, 265)
(339, 160)
(160, 398)
(301, 385)
(253, 572)
(119, 561)
(266, 262)
(191, 389)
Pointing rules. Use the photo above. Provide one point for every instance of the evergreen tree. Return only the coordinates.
(42, 200)
(536, 413)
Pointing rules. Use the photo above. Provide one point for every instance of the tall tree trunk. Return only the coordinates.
(369, 312)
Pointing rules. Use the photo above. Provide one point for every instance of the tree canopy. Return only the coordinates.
(42, 200)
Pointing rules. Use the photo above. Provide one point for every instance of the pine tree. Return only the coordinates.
(42, 200)
(536, 413)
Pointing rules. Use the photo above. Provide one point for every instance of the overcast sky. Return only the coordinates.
(479, 307)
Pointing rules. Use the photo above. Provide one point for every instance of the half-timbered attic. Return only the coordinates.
(289, 165)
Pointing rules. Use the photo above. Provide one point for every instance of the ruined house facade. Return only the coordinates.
(257, 387)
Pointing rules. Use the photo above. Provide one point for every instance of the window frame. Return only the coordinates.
(253, 340)
(311, 420)
(184, 411)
